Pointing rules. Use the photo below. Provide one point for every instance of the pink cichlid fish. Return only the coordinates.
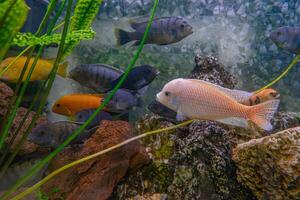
(196, 99)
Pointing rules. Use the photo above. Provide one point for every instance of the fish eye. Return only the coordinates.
(257, 100)
(167, 93)
(182, 26)
(58, 105)
(278, 33)
(42, 132)
(274, 94)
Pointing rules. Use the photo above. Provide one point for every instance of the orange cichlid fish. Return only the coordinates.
(196, 99)
(263, 96)
(71, 104)
(41, 71)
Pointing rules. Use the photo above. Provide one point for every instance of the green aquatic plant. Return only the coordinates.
(50, 82)
(9, 24)
(28, 39)
(84, 15)
(21, 87)
(89, 157)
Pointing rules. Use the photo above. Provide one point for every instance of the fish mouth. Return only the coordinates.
(62, 111)
(157, 72)
(158, 95)
(190, 30)
(276, 96)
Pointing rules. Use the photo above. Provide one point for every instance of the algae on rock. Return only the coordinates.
(270, 166)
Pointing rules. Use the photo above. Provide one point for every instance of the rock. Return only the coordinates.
(27, 147)
(96, 179)
(270, 166)
(155, 196)
(284, 120)
(209, 69)
(6, 94)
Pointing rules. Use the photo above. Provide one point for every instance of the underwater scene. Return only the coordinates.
(150, 99)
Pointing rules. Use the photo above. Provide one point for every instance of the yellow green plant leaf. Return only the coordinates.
(28, 39)
(84, 14)
(13, 14)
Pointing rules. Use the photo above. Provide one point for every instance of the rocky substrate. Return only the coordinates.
(206, 160)
(96, 179)
(197, 162)
(270, 166)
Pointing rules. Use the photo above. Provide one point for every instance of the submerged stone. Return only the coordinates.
(270, 166)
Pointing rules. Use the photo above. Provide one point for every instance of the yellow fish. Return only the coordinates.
(41, 70)
(71, 104)
(264, 95)
(195, 99)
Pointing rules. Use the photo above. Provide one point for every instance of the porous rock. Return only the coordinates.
(95, 179)
(27, 147)
(270, 166)
(210, 69)
(6, 94)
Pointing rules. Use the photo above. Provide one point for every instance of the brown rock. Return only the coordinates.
(6, 94)
(270, 166)
(27, 147)
(96, 179)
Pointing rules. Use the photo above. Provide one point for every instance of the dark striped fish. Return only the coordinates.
(123, 101)
(162, 110)
(138, 78)
(54, 134)
(18, 170)
(83, 115)
(287, 38)
(95, 76)
(163, 31)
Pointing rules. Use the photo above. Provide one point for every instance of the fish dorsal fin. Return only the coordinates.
(133, 24)
(239, 95)
(102, 65)
(86, 95)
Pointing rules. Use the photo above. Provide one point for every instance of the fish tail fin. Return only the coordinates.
(261, 114)
(62, 69)
(122, 36)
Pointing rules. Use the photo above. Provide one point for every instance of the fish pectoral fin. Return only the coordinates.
(180, 116)
(234, 121)
(239, 95)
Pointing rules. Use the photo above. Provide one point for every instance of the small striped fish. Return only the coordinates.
(95, 76)
(163, 31)
(83, 115)
(287, 38)
(54, 134)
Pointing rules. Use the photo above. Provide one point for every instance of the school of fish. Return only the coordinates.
(178, 100)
